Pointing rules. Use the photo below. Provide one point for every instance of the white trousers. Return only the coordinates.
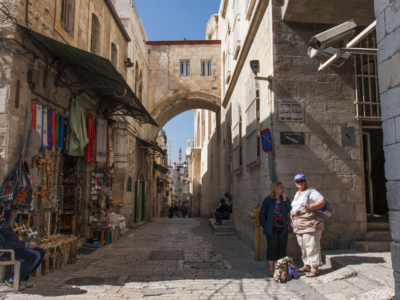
(310, 248)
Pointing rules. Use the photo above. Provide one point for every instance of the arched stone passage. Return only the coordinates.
(169, 108)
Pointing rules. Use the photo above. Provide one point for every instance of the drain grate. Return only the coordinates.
(85, 281)
(166, 255)
(205, 265)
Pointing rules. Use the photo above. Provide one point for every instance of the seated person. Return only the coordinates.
(221, 213)
(27, 253)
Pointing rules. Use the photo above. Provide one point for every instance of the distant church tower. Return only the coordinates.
(180, 155)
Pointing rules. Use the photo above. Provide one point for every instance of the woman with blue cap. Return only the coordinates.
(274, 218)
(308, 225)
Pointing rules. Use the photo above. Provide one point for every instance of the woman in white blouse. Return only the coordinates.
(308, 225)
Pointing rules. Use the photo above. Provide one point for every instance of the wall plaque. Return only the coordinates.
(292, 138)
(291, 112)
(348, 137)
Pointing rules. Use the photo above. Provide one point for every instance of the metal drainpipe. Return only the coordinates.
(271, 154)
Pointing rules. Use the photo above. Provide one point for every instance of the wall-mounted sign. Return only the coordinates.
(348, 137)
(292, 138)
(292, 112)
(266, 140)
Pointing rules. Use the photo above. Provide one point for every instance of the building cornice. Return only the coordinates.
(117, 20)
(184, 42)
(248, 42)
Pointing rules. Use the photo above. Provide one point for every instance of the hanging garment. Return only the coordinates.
(66, 133)
(120, 147)
(78, 139)
(50, 130)
(108, 148)
(33, 111)
(61, 137)
(91, 134)
(53, 127)
(45, 129)
(101, 149)
(39, 124)
(57, 131)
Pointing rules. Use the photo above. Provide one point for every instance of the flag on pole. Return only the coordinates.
(39, 123)
(45, 129)
(33, 111)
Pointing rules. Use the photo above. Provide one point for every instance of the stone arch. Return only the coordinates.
(169, 108)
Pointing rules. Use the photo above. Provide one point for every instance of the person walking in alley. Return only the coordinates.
(221, 213)
(308, 225)
(171, 212)
(176, 210)
(230, 201)
(27, 253)
(274, 218)
(179, 210)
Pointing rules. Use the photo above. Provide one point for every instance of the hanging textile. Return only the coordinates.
(101, 148)
(39, 122)
(33, 111)
(45, 129)
(17, 188)
(108, 148)
(66, 134)
(91, 134)
(57, 131)
(49, 130)
(61, 137)
(78, 139)
(53, 127)
(120, 147)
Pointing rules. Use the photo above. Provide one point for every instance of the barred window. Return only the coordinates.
(206, 68)
(67, 17)
(184, 68)
(95, 36)
(114, 55)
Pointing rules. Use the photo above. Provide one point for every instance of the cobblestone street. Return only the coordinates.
(210, 267)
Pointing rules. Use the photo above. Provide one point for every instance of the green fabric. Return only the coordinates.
(57, 132)
(78, 139)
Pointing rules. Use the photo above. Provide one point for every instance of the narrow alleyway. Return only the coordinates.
(208, 267)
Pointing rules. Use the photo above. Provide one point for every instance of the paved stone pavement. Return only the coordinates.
(212, 267)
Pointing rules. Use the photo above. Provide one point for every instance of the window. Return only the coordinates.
(95, 36)
(206, 68)
(114, 55)
(68, 16)
(237, 138)
(184, 68)
(252, 122)
(129, 186)
(167, 193)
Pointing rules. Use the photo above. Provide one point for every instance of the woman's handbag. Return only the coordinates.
(326, 211)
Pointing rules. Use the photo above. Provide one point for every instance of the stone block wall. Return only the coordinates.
(388, 38)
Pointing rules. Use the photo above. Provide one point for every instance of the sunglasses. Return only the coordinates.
(299, 181)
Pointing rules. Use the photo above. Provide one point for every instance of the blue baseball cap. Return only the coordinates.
(299, 176)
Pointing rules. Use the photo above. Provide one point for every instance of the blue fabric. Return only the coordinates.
(31, 260)
(96, 245)
(50, 129)
(62, 122)
(267, 215)
(218, 217)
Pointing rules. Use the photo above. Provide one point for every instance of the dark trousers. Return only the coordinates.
(276, 245)
(30, 260)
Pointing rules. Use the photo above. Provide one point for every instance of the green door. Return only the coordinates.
(137, 193)
(143, 200)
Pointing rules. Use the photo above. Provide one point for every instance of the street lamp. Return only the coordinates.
(185, 165)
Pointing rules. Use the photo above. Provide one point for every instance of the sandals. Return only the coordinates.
(313, 274)
(303, 270)
(271, 274)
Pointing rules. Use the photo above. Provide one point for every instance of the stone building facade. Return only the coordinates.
(335, 143)
(388, 38)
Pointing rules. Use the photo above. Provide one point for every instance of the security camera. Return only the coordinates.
(334, 35)
(255, 66)
(326, 54)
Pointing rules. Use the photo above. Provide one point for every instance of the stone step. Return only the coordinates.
(378, 226)
(228, 222)
(378, 235)
(221, 229)
(371, 246)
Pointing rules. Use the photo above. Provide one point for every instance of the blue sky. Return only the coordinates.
(175, 20)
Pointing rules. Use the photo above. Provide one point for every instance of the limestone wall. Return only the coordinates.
(388, 37)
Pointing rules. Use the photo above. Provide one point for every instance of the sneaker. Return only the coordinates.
(20, 288)
(27, 284)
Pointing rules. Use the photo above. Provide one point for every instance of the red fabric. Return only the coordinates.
(33, 111)
(91, 134)
(53, 127)
(108, 149)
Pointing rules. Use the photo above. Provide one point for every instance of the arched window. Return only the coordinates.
(129, 187)
(95, 36)
(140, 91)
(67, 19)
(114, 55)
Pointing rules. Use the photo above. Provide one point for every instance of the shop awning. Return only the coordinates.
(160, 168)
(148, 145)
(82, 70)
